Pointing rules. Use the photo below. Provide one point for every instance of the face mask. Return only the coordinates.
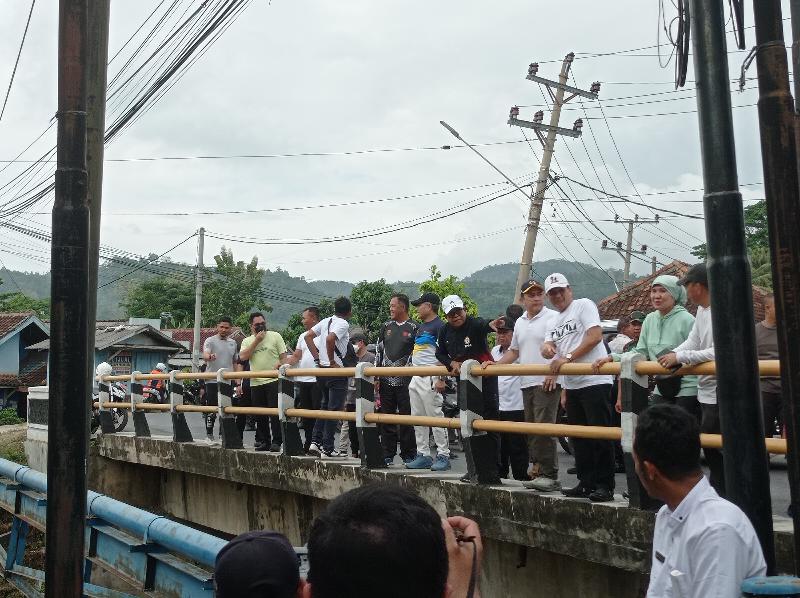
(355, 348)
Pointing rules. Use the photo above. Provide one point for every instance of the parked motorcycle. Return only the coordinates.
(119, 394)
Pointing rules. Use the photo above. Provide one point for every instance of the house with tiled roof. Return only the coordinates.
(636, 296)
(20, 367)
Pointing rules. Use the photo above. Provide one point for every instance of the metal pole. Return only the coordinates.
(779, 160)
(794, 6)
(626, 277)
(537, 196)
(69, 294)
(198, 302)
(746, 464)
(96, 74)
(655, 265)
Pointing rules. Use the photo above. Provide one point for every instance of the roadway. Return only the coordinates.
(161, 425)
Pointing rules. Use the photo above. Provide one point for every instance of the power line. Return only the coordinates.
(16, 62)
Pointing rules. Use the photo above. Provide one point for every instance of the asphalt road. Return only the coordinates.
(161, 425)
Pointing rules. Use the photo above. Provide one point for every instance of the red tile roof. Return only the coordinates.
(636, 297)
(9, 321)
(187, 334)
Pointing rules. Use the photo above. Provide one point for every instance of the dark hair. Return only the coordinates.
(402, 298)
(256, 314)
(342, 306)
(313, 310)
(225, 319)
(378, 526)
(514, 311)
(668, 437)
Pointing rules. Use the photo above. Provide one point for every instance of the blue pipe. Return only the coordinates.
(196, 545)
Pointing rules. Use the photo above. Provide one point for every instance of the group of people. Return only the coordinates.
(703, 545)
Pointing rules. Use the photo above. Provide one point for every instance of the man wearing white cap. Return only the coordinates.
(577, 337)
(464, 337)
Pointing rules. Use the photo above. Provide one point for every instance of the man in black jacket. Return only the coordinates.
(463, 337)
(395, 345)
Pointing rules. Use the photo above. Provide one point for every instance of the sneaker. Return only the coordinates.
(262, 447)
(579, 491)
(332, 454)
(210, 438)
(601, 495)
(419, 462)
(387, 461)
(467, 479)
(408, 460)
(275, 448)
(314, 450)
(543, 484)
(442, 463)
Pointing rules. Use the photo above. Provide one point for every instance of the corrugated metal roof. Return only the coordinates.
(110, 336)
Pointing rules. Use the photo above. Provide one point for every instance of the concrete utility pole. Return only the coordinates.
(68, 413)
(96, 80)
(627, 253)
(198, 302)
(655, 265)
(548, 144)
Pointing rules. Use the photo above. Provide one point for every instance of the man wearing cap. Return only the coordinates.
(540, 394)
(513, 447)
(699, 348)
(577, 337)
(426, 391)
(463, 337)
(259, 564)
(348, 436)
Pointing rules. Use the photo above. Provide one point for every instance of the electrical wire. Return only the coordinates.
(16, 62)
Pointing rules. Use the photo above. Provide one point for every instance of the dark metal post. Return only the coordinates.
(290, 430)
(140, 426)
(68, 426)
(480, 447)
(779, 158)
(738, 395)
(180, 429)
(369, 446)
(228, 431)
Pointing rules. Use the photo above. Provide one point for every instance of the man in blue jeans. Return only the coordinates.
(334, 338)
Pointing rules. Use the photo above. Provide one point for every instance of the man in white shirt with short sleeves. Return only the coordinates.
(540, 394)
(577, 337)
(703, 545)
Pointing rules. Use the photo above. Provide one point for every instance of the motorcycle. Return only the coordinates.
(118, 393)
(150, 394)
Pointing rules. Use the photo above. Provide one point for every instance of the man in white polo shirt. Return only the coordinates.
(577, 337)
(540, 394)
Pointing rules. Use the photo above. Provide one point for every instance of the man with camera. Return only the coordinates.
(265, 350)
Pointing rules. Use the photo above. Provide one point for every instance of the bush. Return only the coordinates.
(9, 417)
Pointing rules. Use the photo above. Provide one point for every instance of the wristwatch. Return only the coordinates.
(568, 357)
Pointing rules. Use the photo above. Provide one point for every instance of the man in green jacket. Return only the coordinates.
(662, 330)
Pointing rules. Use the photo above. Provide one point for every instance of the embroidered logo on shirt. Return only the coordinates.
(567, 328)
(467, 342)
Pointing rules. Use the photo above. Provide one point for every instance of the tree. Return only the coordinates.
(294, 328)
(761, 267)
(151, 298)
(447, 286)
(371, 306)
(232, 289)
(20, 302)
(756, 230)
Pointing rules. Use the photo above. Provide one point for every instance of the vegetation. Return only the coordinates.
(19, 302)
(9, 417)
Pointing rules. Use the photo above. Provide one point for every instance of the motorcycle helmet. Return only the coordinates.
(161, 367)
(104, 369)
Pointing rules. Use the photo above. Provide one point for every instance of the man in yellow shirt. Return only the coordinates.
(265, 350)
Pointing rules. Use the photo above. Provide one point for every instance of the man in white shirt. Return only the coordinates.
(577, 337)
(513, 448)
(699, 348)
(540, 394)
(334, 333)
(703, 545)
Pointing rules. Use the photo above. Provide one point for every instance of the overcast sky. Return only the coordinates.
(297, 76)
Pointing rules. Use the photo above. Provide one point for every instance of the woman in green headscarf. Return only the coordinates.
(662, 330)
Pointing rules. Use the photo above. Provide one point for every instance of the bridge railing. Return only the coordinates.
(633, 371)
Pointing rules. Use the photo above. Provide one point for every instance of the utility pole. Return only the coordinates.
(655, 265)
(779, 150)
(198, 302)
(627, 253)
(96, 80)
(548, 144)
(68, 413)
(745, 456)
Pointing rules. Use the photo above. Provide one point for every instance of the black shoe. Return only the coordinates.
(601, 495)
(262, 447)
(619, 468)
(467, 479)
(579, 491)
(275, 448)
(572, 470)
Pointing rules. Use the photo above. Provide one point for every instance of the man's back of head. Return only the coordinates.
(378, 540)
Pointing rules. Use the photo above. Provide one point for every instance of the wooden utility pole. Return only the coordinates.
(68, 412)
(628, 253)
(198, 302)
(548, 145)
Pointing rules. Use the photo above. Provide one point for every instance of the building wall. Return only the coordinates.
(9, 356)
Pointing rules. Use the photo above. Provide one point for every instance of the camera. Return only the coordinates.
(261, 327)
